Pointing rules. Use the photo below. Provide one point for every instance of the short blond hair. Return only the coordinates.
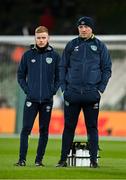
(41, 29)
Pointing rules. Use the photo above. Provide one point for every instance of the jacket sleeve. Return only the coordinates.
(22, 74)
(56, 79)
(106, 66)
(63, 66)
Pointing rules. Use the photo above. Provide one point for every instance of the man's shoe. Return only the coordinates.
(39, 164)
(94, 164)
(61, 164)
(20, 163)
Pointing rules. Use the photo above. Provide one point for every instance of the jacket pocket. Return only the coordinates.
(94, 76)
(92, 96)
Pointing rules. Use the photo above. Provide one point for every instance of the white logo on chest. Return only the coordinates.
(33, 60)
(76, 48)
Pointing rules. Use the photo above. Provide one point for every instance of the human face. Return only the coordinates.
(85, 31)
(41, 39)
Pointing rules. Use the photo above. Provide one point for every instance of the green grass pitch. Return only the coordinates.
(112, 162)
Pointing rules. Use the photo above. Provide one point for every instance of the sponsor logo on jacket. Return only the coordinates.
(33, 60)
(76, 48)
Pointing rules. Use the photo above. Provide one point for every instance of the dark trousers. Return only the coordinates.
(30, 112)
(89, 103)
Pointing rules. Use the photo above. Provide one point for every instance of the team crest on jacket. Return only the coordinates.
(94, 48)
(49, 60)
(33, 60)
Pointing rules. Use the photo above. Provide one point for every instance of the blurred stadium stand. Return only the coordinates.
(20, 17)
(114, 96)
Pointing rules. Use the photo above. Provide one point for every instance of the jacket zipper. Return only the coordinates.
(40, 77)
(83, 73)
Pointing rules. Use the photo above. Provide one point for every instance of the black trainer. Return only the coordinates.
(94, 164)
(39, 164)
(20, 163)
(61, 164)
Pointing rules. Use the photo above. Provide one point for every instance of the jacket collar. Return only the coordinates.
(46, 48)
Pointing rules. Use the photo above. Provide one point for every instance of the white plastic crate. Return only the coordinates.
(79, 155)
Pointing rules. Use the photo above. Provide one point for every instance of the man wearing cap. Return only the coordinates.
(85, 70)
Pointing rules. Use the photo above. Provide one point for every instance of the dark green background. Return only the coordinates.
(109, 15)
